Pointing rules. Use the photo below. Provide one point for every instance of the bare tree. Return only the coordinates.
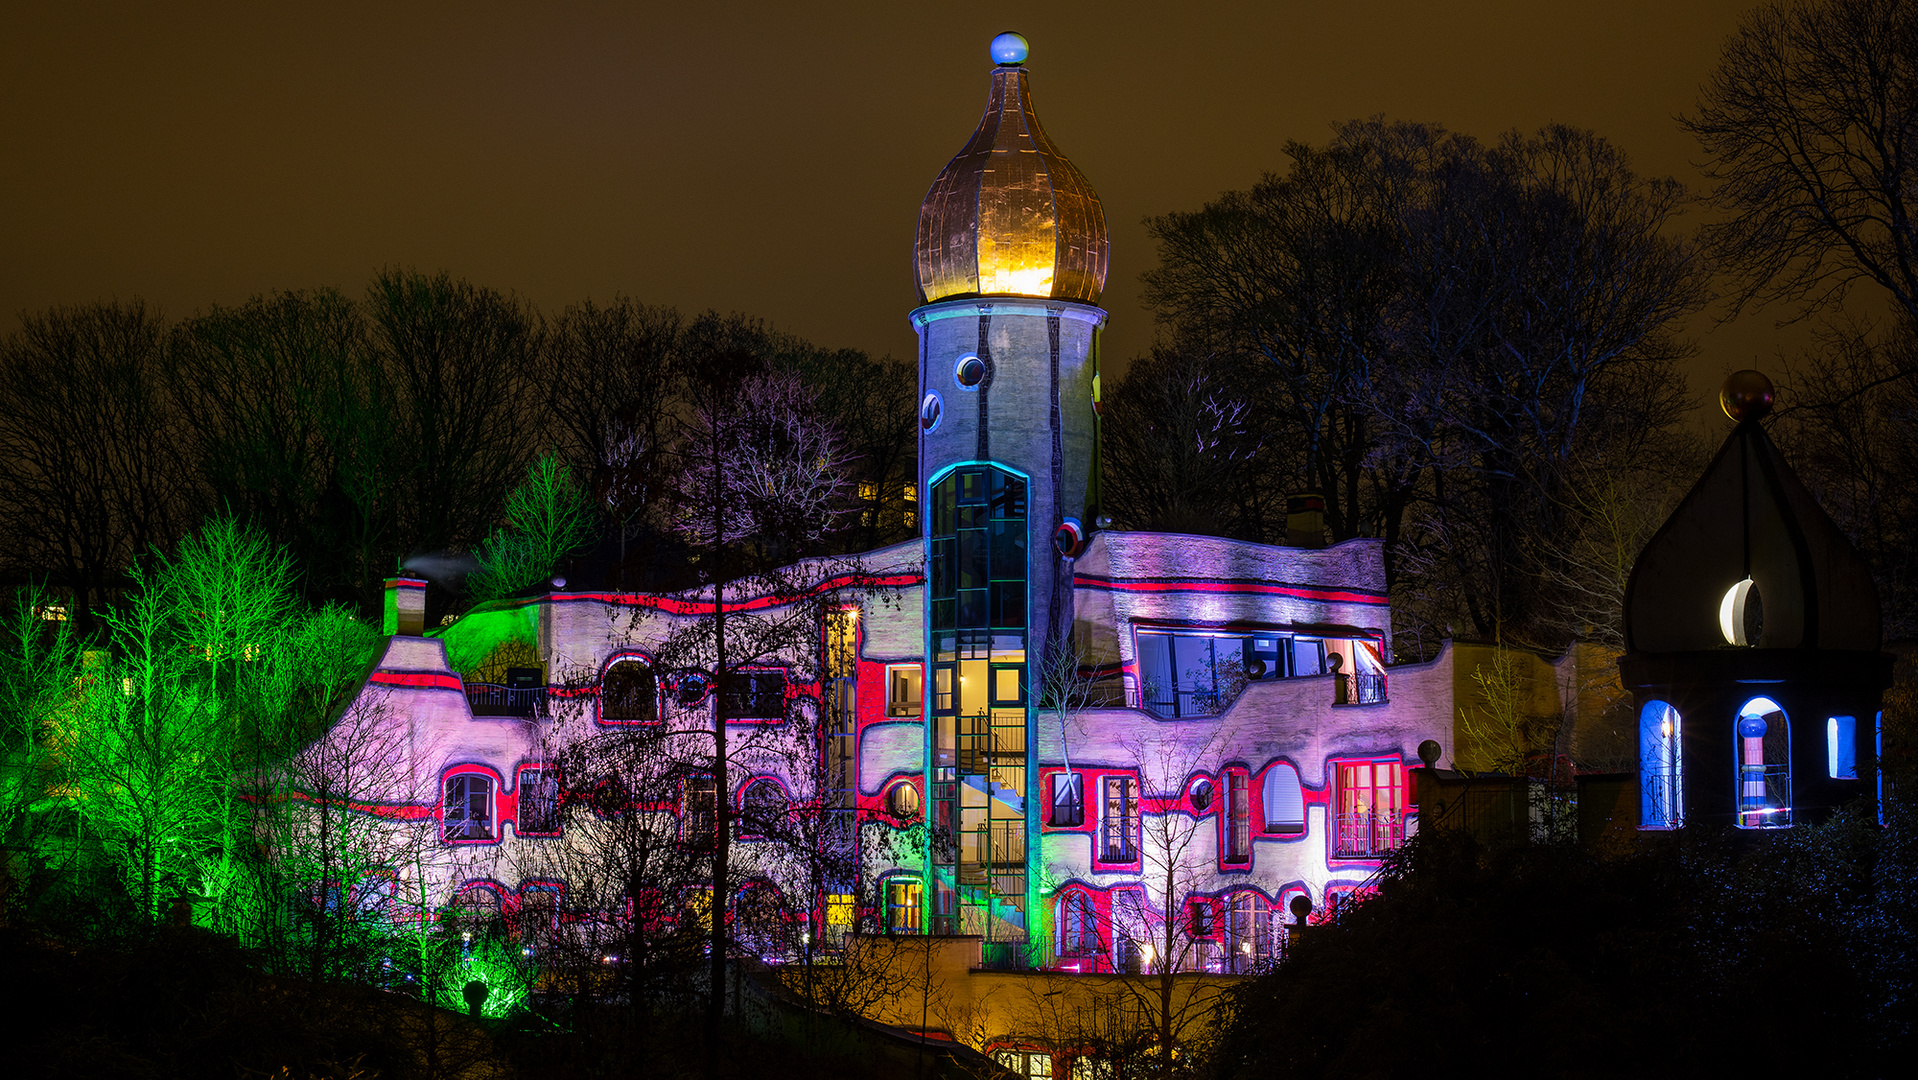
(288, 424)
(1157, 921)
(93, 478)
(1810, 126)
(455, 356)
(610, 378)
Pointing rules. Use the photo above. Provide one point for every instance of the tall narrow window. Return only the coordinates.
(1238, 818)
(1247, 931)
(1120, 823)
(538, 801)
(1370, 815)
(1764, 765)
(468, 808)
(1841, 747)
(1660, 768)
(1068, 800)
(902, 905)
(698, 821)
(1284, 800)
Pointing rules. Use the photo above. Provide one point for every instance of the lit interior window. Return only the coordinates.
(1764, 765)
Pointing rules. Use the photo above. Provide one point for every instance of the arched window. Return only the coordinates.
(468, 808)
(1661, 803)
(762, 810)
(1764, 765)
(629, 693)
(1284, 800)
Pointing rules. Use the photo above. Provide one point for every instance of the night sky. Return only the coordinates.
(751, 157)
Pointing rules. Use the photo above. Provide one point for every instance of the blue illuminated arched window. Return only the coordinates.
(1763, 739)
(1661, 784)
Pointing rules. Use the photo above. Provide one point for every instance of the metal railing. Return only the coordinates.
(1764, 796)
(1175, 702)
(1369, 834)
(1659, 799)
(1361, 688)
(490, 699)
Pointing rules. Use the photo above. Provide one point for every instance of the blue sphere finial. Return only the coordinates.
(1009, 48)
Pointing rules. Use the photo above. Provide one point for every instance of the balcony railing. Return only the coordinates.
(1175, 702)
(1369, 834)
(490, 699)
(1361, 688)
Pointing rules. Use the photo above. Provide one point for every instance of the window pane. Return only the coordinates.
(538, 801)
(468, 809)
(1841, 748)
(903, 690)
(629, 692)
(1284, 800)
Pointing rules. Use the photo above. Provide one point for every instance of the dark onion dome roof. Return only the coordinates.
(1751, 517)
(1010, 216)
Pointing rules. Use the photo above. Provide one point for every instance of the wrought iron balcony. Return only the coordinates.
(1368, 834)
(1360, 688)
(491, 699)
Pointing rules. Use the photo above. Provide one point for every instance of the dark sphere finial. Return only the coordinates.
(1748, 395)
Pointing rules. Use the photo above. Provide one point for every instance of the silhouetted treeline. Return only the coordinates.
(360, 432)
(1467, 348)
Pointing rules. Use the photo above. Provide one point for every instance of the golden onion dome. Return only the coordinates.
(1010, 216)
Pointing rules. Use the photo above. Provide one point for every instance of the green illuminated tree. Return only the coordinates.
(40, 665)
(548, 517)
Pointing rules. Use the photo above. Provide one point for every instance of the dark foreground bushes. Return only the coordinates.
(1693, 953)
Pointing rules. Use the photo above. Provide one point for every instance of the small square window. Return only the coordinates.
(904, 687)
(1009, 685)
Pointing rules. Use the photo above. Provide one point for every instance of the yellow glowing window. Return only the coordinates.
(839, 909)
(51, 612)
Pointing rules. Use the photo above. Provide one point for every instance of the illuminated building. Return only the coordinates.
(1752, 647)
(1237, 740)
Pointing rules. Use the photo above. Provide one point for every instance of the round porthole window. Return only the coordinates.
(930, 410)
(691, 687)
(903, 802)
(969, 372)
(1202, 796)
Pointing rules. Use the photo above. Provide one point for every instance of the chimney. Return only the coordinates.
(1305, 519)
(405, 606)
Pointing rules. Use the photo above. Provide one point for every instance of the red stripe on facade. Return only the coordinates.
(426, 679)
(1343, 596)
(676, 606)
(396, 812)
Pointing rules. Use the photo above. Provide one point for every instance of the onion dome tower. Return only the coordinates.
(1752, 646)
(1010, 258)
